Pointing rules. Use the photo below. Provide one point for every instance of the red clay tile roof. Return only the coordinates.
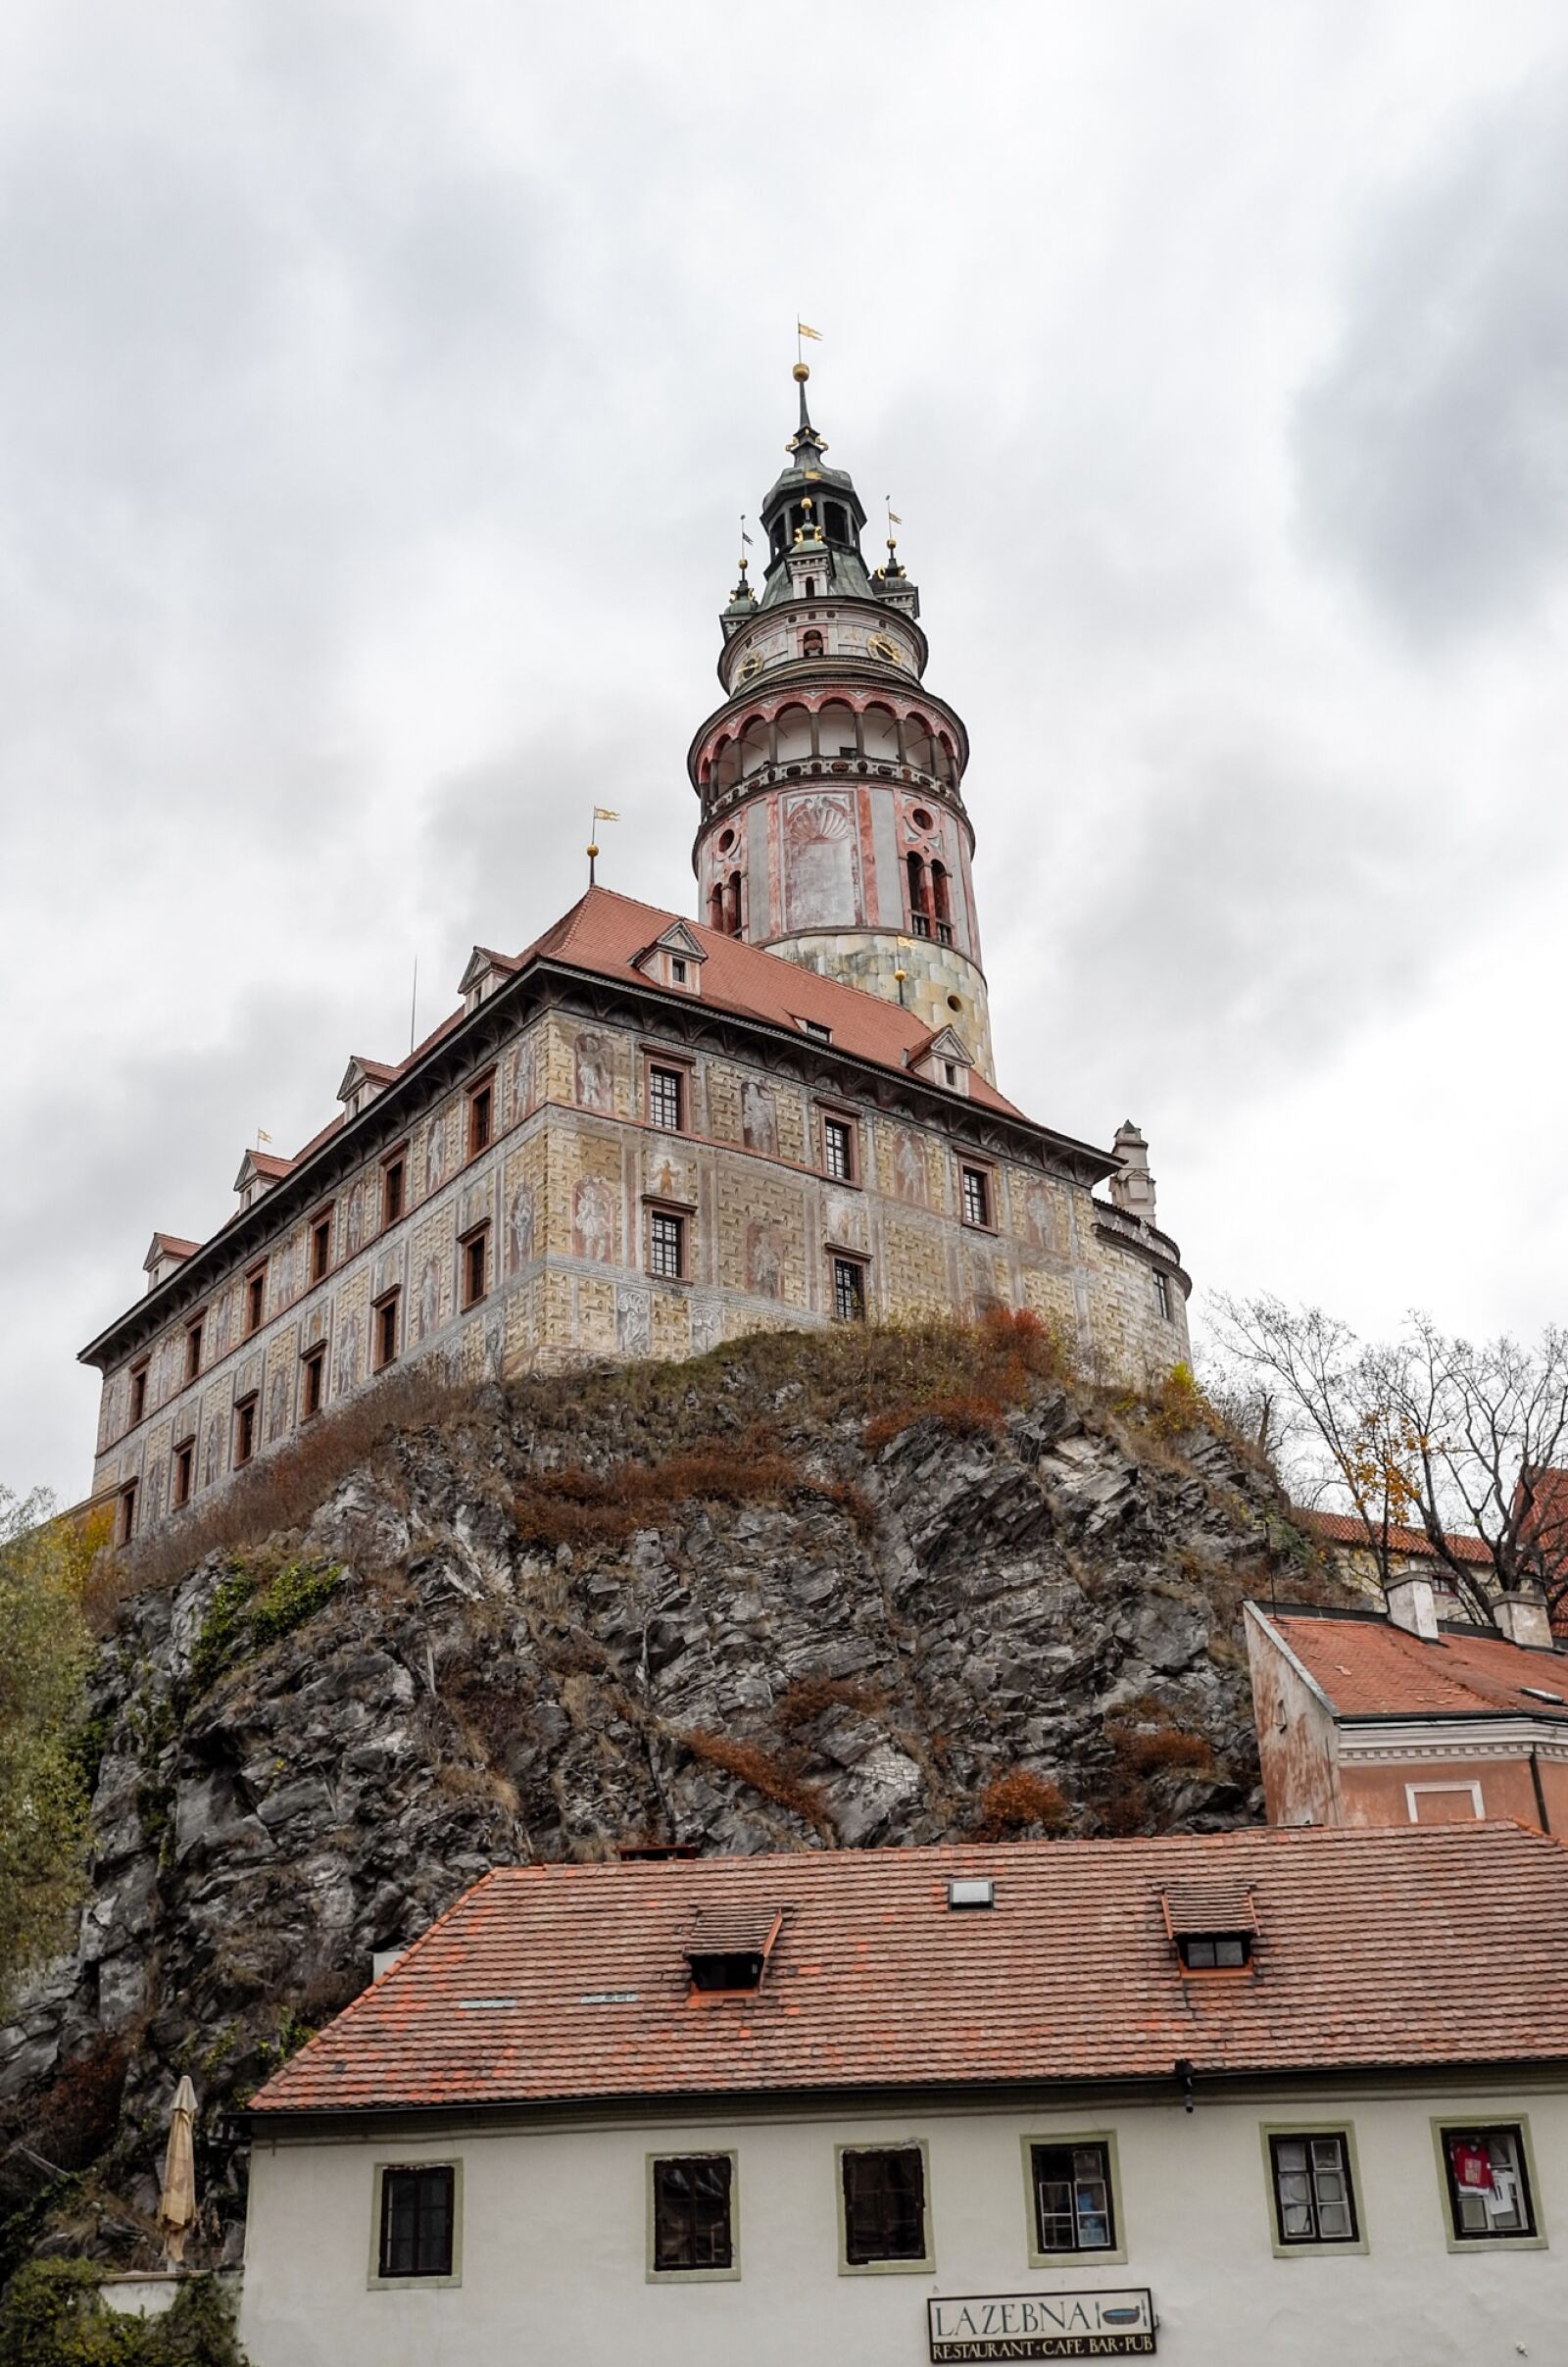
(1347, 1528)
(605, 932)
(266, 1163)
(172, 1245)
(1375, 1948)
(1370, 1668)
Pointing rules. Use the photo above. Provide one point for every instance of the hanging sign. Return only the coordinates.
(1118, 2324)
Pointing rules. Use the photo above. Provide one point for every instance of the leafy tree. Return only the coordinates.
(53, 2316)
(1460, 1439)
(44, 1649)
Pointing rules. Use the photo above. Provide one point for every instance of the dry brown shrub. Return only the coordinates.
(1015, 1802)
(1161, 1749)
(750, 1765)
(287, 1485)
(813, 1695)
(578, 1507)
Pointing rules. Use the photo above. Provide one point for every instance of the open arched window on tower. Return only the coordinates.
(732, 904)
(836, 520)
(919, 902)
(812, 644)
(715, 907)
(941, 903)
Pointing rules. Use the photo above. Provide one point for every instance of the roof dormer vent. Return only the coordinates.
(728, 1948)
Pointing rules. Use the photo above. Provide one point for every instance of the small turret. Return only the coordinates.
(1132, 1189)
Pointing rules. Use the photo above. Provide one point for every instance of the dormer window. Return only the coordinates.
(816, 1032)
(729, 1948)
(1212, 1924)
(677, 969)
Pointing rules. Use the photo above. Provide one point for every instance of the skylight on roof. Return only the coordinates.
(970, 1891)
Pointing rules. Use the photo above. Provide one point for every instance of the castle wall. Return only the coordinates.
(566, 1188)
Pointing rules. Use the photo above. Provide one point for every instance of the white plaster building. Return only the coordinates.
(1260, 2095)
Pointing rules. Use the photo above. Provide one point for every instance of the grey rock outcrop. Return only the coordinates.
(852, 1656)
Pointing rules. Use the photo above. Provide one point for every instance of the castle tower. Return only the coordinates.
(833, 825)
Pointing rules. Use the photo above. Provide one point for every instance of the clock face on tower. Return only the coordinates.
(881, 647)
(751, 664)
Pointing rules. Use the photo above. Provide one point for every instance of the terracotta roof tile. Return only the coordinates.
(1370, 1668)
(1346, 1528)
(172, 1245)
(1375, 1948)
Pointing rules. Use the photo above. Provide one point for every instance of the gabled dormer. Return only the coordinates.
(944, 1059)
(259, 1170)
(362, 1080)
(486, 972)
(674, 959)
(168, 1251)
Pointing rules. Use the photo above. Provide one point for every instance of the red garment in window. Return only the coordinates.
(1472, 2164)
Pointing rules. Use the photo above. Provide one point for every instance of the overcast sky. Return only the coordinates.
(380, 386)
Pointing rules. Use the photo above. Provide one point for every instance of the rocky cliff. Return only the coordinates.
(803, 1593)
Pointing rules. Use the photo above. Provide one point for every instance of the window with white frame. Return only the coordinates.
(1314, 2199)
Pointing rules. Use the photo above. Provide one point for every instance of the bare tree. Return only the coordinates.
(1462, 1440)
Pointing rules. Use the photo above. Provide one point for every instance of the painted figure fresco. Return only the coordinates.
(212, 1451)
(428, 1310)
(1041, 1217)
(593, 1072)
(348, 1356)
(766, 1256)
(593, 1228)
(521, 1079)
(759, 1119)
(435, 1155)
(634, 1329)
(519, 1229)
(278, 1403)
(355, 1220)
(908, 1169)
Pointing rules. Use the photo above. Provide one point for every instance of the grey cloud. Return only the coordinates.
(1431, 453)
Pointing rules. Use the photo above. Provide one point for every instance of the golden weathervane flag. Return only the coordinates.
(801, 330)
(602, 813)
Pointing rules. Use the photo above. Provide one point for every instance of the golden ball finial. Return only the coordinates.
(801, 373)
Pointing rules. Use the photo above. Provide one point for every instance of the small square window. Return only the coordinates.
(1489, 2182)
(184, 1473)
(1314, 2202)
(849, 1291)
(393, 1185)
(476, 1266)
(481, 1118)
(138, 1394)
(387, 1317)
(1073, 2203)
(244, 1431)
(255, 1299)
(193, 1348)
(677, 969)
(667, 1245)
(313, 1383)
(1215, 1952)
(418, 2217)
(693, 2221)
(838, 1148)
(976, 1197)
(884, 2204)
(321, 1248)
(665, 1098)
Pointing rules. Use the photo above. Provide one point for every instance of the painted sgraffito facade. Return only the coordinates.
(644, 1137)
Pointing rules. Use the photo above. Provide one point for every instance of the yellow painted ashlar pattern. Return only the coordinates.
(565, 1186)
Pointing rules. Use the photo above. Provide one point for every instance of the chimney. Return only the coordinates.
(1412, 1605)
(1132, 1187)
(1523, 1618)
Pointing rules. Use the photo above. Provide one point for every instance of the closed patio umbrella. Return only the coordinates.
(177, 2205)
